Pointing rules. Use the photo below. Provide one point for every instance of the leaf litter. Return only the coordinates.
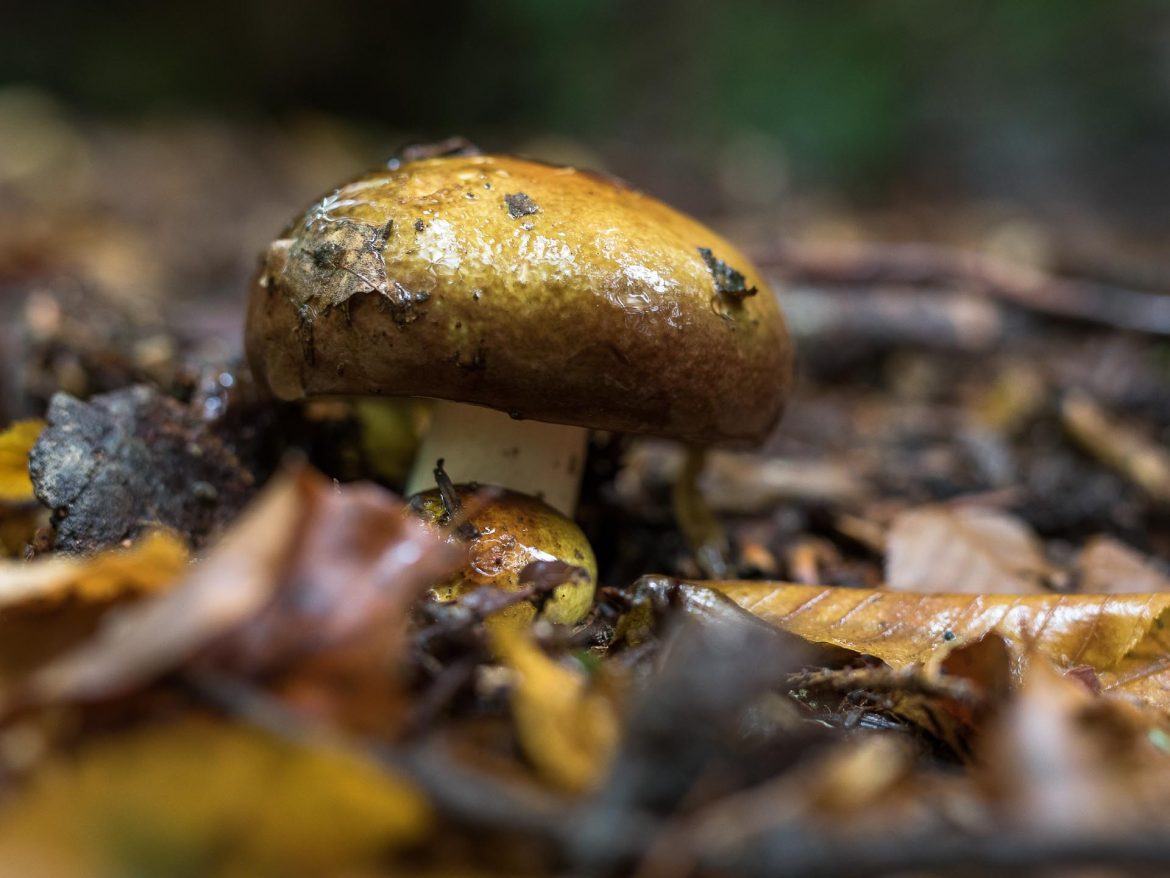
(223, 657)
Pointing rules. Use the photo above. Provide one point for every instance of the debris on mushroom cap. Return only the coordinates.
(520, 204)
(542, 291)
(728, 281)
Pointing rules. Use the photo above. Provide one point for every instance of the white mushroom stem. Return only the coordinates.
(483, 445)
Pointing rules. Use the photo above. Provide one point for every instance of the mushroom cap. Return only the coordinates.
(543, 291)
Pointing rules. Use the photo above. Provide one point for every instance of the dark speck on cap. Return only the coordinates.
(519, 204)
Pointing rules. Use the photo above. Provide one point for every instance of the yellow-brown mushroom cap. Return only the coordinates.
(545, 292)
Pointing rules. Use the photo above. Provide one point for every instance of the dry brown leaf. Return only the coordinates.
(1106, 566)
(308, 566)
(568, 731)
(15, 444)
(964, 550)
(1121, 637)
(208, 798)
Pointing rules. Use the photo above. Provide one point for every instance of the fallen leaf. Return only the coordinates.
(1106, 566)
(15, 444)
(569, 731)
(1121, 637)
(132, 460)
(155, 561)
(964, 550)
(307, 567)
(50, 605)
(199, 796)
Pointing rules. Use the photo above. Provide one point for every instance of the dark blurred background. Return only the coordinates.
(1038, 123)
(1038, 99)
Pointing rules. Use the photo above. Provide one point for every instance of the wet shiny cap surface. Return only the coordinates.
(543, 291)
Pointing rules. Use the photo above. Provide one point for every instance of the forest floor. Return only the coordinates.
(921, 630)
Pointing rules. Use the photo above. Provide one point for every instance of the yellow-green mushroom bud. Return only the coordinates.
(511, 531)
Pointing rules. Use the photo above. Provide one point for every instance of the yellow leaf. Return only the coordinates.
(1121, 637)
(150, 564)
(49, 606)
(15, 444)
(201, 797)
(568, 731)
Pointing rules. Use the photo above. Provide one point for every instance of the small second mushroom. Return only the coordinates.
(534, 303)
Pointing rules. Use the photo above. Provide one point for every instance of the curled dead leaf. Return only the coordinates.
(149, 565)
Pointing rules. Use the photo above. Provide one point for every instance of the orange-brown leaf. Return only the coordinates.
(1119, 636)
(307, 566)
(48, 606)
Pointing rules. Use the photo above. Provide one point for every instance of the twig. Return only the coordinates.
(910, 681)
(929, 265)
(789, 852)
(1139, 459)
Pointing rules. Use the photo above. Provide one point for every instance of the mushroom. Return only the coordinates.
(533, 302)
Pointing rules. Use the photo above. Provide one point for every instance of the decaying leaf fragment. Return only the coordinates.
(131, 460)
(15, 444)
(1122, 638)
(307, 566)
(204, 797)
(567, 730)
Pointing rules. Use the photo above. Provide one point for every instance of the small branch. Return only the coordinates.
(885, 680)
(789, 852)
(1139, 459)
(929, 265)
